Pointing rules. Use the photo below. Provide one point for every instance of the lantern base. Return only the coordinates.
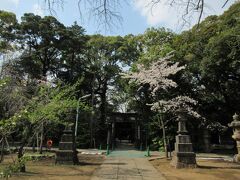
(236, 158)
(183, 157)
(184, 160)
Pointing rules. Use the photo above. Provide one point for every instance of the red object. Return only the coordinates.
(49, 143)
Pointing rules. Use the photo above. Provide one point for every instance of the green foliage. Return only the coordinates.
(157, 144)
(73, 48)
(12, 100)
(154, 44)
(211, 52)
(42, 40)
(15, 167)
(8, 23)
(50, 50)
(51, 104)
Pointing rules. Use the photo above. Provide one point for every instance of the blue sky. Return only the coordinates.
(137, 15)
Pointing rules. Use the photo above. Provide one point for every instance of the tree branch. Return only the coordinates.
(106, 12)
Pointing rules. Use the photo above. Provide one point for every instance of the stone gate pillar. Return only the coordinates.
(206, 141)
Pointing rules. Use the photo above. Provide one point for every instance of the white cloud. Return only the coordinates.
(171, 17)
(15, 2)
(154, 15)
(37, 9)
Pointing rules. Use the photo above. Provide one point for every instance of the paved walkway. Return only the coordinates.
(127, 165)
(127, 169)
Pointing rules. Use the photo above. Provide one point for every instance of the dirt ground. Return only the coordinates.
(46, 169)
(207, 169)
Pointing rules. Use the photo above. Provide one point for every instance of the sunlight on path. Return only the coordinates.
(128, 154)
(127, 165)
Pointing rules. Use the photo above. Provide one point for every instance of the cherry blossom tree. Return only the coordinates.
(157, 76)
(176, 105)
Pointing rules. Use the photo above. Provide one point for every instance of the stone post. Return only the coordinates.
(235, 124)
(184, 157)
(138, 132)
(206, 141)
(139, 137)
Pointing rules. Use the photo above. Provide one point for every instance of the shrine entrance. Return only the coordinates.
(125, 128)
(125, 131)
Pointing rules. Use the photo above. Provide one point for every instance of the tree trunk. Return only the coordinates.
(2, 150)
(91, 131)
(103, 102)
(20, 155)
(41, 139)
(164, 137)
(102, 124)
(37, 142)
(20, 150)
(33, 145)
(92, 113)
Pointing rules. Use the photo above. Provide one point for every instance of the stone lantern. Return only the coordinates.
(67, 152)
(184, 157)
(235, 124)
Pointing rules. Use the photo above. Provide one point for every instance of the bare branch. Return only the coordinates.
(225, 3)
(53, 4)
(106, 12)
(201, 11)
(187, 7)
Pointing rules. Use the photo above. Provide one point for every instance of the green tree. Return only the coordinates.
(211, 52)
(8, 25)
(154, 44)
(73, 59)
(41, 40)
(48, 105)
(107, 56)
